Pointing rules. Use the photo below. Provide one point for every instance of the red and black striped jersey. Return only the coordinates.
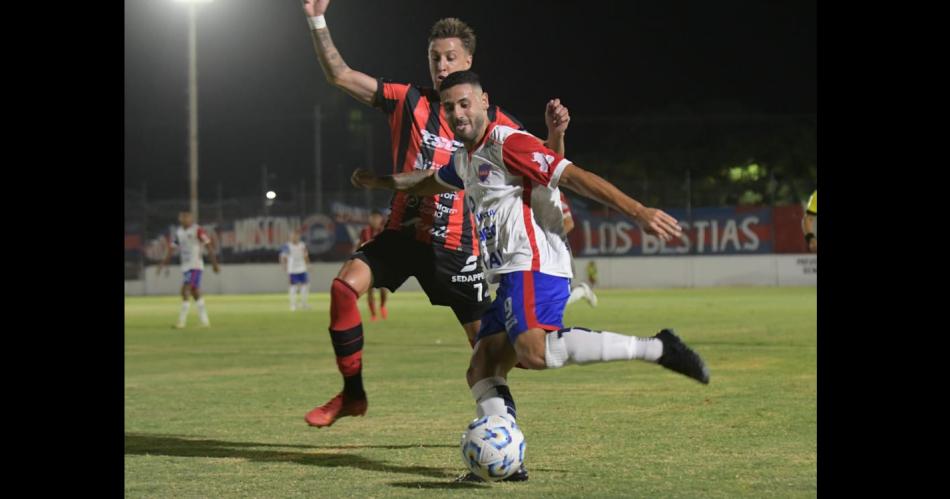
(422, 139)
(368, 234)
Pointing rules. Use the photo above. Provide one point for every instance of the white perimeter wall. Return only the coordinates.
(633, 272)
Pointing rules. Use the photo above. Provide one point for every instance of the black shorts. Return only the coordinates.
(449, 278)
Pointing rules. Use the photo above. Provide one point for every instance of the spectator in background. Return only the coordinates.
(810, 223)
(592, 273)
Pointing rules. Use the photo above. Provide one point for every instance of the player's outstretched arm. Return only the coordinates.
(591, 185)
(359, 85)
(418, 182)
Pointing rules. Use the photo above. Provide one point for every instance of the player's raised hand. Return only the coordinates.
(556, 116)
(363, 179)
(658, 223)
(315, 8)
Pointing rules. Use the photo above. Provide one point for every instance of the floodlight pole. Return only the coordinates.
(193, 110)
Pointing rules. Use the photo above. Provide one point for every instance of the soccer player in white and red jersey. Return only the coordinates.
(513, 180)
(429, 237)
(189, 238)
(294, 258)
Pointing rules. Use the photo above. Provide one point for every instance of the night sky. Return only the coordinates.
(259, 78)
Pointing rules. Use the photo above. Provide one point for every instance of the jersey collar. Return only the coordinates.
(488, 130)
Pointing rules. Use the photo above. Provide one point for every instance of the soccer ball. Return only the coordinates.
(493, 447)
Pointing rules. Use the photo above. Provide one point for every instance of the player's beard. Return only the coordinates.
(476, 126)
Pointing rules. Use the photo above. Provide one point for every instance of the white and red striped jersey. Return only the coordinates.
(189, 242)
(512, 179)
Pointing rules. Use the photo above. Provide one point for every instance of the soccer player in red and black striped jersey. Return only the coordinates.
(429, 237)
(366, 235)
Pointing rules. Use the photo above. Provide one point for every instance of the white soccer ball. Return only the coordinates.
(493, 447)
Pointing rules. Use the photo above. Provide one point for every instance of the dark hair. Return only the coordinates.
(460, 78)
(451, 27)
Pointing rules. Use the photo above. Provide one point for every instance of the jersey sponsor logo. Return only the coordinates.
(543, 161)
(484, 170)
(494, 259)
(422, 163)
(487, 213)
(441, 210)
(434, 141)
(470, 264)
(487, 233)
(469, 278)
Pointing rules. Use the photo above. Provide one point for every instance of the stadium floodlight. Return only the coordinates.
(193, 103)
(271, 195)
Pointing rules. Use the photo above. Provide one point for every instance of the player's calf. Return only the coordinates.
(583, 346)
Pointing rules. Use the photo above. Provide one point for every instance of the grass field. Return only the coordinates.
(219, 412)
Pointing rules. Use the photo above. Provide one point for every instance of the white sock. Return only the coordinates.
(293, 295)
(576, 294)
(582, 346)
(304, 290)
(183, 315)
(202, 312)
(488, 401)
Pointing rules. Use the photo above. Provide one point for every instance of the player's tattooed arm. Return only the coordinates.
(359, 85)
(592, 186)
(418, 182)
(556, 117)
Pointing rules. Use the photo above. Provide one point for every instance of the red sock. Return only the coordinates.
(346, 334)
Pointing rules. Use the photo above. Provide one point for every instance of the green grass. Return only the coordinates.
(219, 412)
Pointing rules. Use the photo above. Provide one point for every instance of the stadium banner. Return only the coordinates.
(334, 236)
(330, 237)
(706, 231)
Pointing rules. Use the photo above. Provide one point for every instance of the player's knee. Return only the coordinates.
(341, 292)
(530, 347)
(357, 275)
(532, 360)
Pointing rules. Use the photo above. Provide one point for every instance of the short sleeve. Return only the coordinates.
(525, 155)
